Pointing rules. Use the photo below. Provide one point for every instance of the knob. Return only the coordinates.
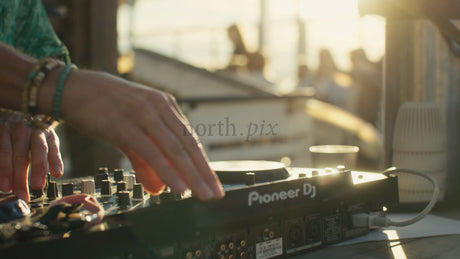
(250, 178)
(67, 189)
(123, 199)
(167, 197)
(154, 200)
(314, 172)
(98, 178)
(118, 175)
(132, 172)
(103, 170)
(121, 186)
(138, 192)
(35, 194)
(88, 187)
(130, 181)
(52, 192)
(106, 188)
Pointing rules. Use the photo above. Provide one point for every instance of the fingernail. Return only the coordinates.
(58, 171)
(5, 185)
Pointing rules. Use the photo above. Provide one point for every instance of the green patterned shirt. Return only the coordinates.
(24, 25)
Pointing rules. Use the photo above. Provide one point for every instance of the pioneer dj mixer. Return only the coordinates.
(269, 211)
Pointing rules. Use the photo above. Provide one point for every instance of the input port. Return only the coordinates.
(243, 243)
(231, 245)
(268, 234)
(295, 236)
(313, 232)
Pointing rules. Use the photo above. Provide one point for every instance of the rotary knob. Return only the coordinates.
(106, 188)
(138, 192)
(118, 175)
(130, 181)
(250, 178)
(98, 178)
(121, 186)
(88, 187)
(67, 189)
(123, 199)
(52, 192)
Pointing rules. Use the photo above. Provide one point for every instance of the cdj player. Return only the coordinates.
(269, 211)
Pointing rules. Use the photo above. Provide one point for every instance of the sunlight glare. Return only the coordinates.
(328, 9)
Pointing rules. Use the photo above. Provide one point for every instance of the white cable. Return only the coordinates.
(366, 220)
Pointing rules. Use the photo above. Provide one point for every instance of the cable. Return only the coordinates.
(372, 221)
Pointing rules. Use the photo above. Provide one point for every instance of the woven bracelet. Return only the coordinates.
(58, 93)
(30, 95)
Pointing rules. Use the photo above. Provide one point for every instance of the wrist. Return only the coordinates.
(47, 92)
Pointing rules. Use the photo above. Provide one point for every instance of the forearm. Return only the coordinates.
(14, 68)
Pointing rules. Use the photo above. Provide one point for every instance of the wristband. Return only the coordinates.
(58, 93)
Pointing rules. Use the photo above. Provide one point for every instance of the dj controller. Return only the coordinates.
(269, 211)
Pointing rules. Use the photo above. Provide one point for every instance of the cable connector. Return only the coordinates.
(369, 221)
(374, 221)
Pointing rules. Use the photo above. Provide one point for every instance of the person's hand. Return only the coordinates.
(21, 146)
(147, 125)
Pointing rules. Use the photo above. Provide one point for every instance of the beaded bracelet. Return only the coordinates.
(30, 95)
(58, 93)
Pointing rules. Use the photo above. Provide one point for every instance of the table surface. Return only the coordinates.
(447, 246)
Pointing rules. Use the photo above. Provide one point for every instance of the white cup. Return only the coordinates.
(331, 156)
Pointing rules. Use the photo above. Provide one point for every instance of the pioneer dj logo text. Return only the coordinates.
(308, 190)
(226, 128)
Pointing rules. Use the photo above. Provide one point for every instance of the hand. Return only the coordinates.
(21, 146)
(147, 125)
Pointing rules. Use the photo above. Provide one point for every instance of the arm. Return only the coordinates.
(144, 123)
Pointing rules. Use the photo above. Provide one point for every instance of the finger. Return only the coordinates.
(56, 166)
(193, 147)
(39, 159)
(141, 145)
(151, 182)
(173, 103)
(174, 151)
(20, 143)
(6, 159)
